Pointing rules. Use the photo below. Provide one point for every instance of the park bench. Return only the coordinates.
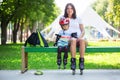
(90, 49)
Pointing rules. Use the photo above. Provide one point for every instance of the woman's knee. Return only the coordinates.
(81, 41)
(72, 41)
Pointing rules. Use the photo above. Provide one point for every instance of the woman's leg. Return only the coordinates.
(82, 47)
(73, 54)
(73, 47)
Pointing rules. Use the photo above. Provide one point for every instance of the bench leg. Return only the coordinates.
(24, 61)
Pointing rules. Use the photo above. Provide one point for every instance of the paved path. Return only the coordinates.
(61, 75)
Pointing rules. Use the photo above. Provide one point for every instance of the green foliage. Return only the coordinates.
(109, 10)
(6, 9)
(34, 10)
(100, 7)
(26, 12)
(113, 12)
(116, 9)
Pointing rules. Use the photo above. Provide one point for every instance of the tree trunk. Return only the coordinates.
(14, 33)
(16, 27)
(21, 29)
(3, 32)
(111, 31)
(119, 33)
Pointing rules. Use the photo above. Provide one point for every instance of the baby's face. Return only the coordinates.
(65, 27)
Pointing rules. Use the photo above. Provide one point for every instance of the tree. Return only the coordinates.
(116, 10)
(113, 13)
(27, 10)
(7, 12)
(100, 6)
(109, 10)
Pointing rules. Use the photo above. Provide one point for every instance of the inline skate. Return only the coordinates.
(59, 63)
(73, 65)
(81, 65)
(64, 63)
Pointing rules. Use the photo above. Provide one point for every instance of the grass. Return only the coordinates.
(104, 43)
(10, 58)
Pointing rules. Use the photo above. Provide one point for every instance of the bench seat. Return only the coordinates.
(89, 49)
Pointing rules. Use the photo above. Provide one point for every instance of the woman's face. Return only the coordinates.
(69, 11)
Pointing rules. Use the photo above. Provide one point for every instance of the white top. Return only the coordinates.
(74, 26)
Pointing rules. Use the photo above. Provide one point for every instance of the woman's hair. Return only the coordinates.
(74, 11)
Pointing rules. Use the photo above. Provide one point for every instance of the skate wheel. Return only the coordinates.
(73, 72)
(81, 72)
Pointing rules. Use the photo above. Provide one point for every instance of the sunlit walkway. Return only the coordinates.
(97, 74)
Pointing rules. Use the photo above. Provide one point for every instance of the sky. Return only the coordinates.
(83, 4)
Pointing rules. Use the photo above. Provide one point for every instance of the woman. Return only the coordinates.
(75, 26)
